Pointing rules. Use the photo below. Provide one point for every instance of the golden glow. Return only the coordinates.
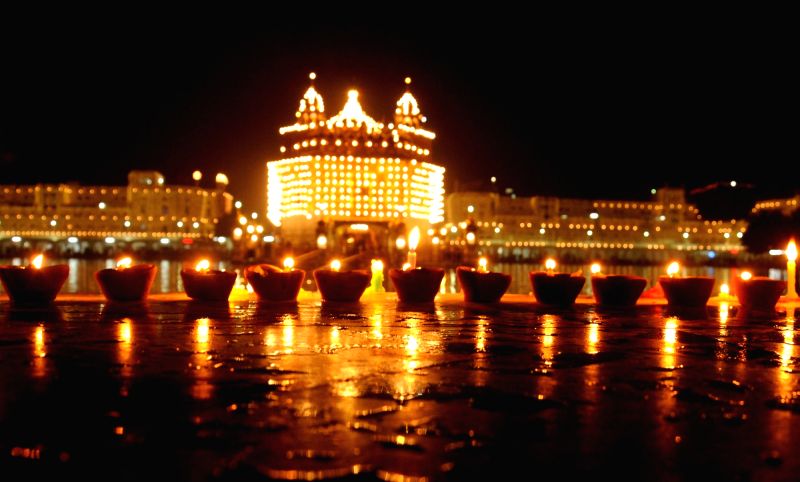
(592, 338)
(202, 334)
(670, 335)
(288, 333)
(197, 176)
(288, 263)
(724, 289)
(406, 266)
(483, 264)
(400, 242)
(791, 251)
(723, 312)
(221, 179)
(359, 227)
(746, 275)
(125, 262)
(550, 264)
(242, 220)
(673, 269)
(37, 261)
(596, 268)
(413, 239)
(38, 342)
(202, 265)
(470, 237)
(336, 265)
(377, 266)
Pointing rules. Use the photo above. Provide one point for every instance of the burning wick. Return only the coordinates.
(202, 265)
(483, 265)
(550, 265)
(288, 264)
(413, 242)
(724, 289)
(595, 268)
(673, 269)
(124, 263)
(336, 265)
(37, 261)
(746, 276)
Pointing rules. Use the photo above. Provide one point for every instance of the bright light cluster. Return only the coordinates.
(351, 166)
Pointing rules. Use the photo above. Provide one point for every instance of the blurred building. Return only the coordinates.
(786, 206)
(350, 181)
(145, 214)
(523, 227)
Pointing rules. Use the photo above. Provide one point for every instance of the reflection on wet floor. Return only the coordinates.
(378, 390)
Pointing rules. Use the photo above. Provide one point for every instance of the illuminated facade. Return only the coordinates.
(351, 170)
(786, 206)
(146, 210)
(525, 226)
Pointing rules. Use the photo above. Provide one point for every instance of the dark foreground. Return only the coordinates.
(377, 391)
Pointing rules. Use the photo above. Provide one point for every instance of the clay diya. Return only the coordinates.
(337, 285)
(34, 284)
(126, 282)
(558, 289)
(205, 284)
(759, 292)
(417, 285)
(617, 290)
(273, 284)
(688, 291)
(481, 285)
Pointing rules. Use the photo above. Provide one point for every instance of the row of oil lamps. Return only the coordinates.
(127, 282)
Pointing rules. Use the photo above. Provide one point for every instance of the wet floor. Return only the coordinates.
(378, 391)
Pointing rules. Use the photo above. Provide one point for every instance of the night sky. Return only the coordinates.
(574, 109)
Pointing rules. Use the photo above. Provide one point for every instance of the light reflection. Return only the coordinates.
(670, 340)
(480, 336)
(288, 333)
(724, 311)
(39, 352)
(202, 389)
(376, 321)
(592, 338)
(125, 336)
(548, 339)
(335, 337)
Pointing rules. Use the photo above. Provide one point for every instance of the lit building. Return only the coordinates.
(145, 211)
(349, 175)
(527, 226)
(785, 206)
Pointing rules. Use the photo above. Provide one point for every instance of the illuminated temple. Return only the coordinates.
(350, 178)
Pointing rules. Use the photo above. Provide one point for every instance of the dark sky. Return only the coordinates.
(577, 108)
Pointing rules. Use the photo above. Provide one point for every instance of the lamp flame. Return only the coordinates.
(288, 263)
(413, 239)
(673, 268)
(483, 265)
(124, 263)
(202, 265)
(724, 289)
(336, 265)
(550, 264)
(37, 261)
(746, 275)
(791, 251)
(596, 268)
(377, 265)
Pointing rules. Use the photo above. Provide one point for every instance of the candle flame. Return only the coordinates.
(406, 266)
(596, 268)
(37, 261)
(413, 239)
(746, 275)
(125, 262)
(791, 251)
(377, 265)
(724, 289)
(483, 264)
(550, 264)
(288, 263)
(202, 265)
(673, 268)
(336, 265)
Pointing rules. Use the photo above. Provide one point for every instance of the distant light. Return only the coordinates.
(726, 235)
(164, 240)
(662, 218)
(243, 220)
(251, 229)
(470, 208)
(453, 229)
(110, 240)
(435, 240)
(127, 223)
(160, 180)
(101, 205)
(254, 215)
(646, 234)
(237, 233)
(594, 215)
(197, 175)
(470, 237)
(497, 230)
(400, 242)
(589, 232)
(431, 232)
(72, 240)
(254, 238)
(322, 241)
(238, 204)
(772, 252)
(195, 225)
(686, 235)
(733, 183)
(493, 179)
(17, 239)
(653, 191)
(221, 239)
(712, 254)
(180, 224)
(221, 179)
(746, 275)
(269, 239)
(53, 223)
(541, 231)
(359, 227)
(739, 235)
